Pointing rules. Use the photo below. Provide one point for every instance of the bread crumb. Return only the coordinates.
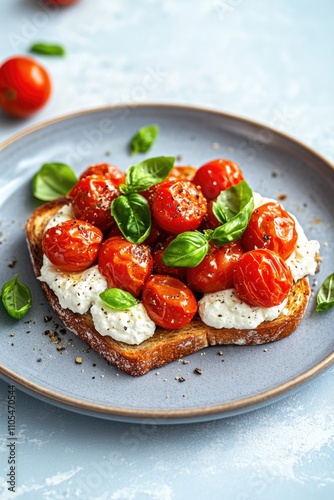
(78, 360)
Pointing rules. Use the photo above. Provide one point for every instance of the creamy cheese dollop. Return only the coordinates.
(132, 326)
(63, 214)
(75, 291)
(225, 310)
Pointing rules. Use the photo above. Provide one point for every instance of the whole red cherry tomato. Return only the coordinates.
(271, 227)
(210, 221)
(261, 278)
(178, 206)
(168, 301)
(216, 176)
(25, 86)
(72, 245)
(107, 171)
(215, 272)
(92, 198)
(124, 264)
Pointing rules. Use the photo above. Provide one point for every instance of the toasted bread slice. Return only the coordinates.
(165, 345)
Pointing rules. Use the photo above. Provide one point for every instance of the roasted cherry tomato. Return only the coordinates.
(215, 272)
(178, 206)
(168, 301)
(25, 86)
(182, 172)
(92, 198)
(107, 171)
(159, 267)
(124, 264)
(271, 227)
(216, 176)
(261, 278)
(72, 245)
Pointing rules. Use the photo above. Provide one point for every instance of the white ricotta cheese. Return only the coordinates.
(132, 326)
(225, 310)
(63, 214)
(75, 291)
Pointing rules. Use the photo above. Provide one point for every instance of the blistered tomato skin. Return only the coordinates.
(271, 227)
(73, 245)
(92, 198)
(215, 272)
(168, 301)
(25, 86)
(125, 265)
(216, 176)
(262, 279)
(107, 171)
(178, 206)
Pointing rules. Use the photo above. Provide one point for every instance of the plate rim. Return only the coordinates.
(177, 415)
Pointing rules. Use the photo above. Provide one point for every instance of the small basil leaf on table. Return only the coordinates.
(119, 299)
(325, 297)
(16, 298)
(145, 174)
(52, 181)
(143, 140)
(188, 249)
(48, 49)
(133, 217)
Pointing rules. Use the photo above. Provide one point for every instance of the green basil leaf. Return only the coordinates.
(119, 299)
(143, 140)
(234, 205)
(47, 49)
(133, 217)
(145, 174)
(231, 201)
(325, 297)
(52, 181)
(16, 298)
(188, 249)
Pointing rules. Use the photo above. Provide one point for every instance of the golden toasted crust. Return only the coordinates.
(165, 345)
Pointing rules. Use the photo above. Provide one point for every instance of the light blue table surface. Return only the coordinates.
(269, 61)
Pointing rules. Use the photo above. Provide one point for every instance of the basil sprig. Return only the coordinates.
(47, 49)
(53, 180)
(233, 208)
(119, 299)
(16, 298)
(131, 210)
(325, 297)
(143, 140)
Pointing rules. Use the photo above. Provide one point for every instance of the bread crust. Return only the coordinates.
(165, 345)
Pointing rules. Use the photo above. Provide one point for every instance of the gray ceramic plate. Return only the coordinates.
(241, 379)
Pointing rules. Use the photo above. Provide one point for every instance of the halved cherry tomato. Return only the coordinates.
(261, 278)
(216, 176)
(107, 171)
(178, 206)
(124, 264)
(25, 86)
(271, 227)
(72, 245)
(215, 272)
(168, 301)
(159, 267)
(182, 172)
(92, 198)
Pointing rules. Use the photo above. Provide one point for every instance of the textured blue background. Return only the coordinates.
(270, 61)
